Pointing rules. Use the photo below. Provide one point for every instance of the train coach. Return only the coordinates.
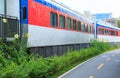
(53, 27)
(108, 33)
(61, 28)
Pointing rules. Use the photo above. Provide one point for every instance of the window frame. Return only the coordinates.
(86, 27)
(74, 24)
(68, 27)
(91, 29)
(79, 26)
(83, 27)
(53, 19)
(60, 23)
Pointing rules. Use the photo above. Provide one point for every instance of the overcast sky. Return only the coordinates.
(95, 6)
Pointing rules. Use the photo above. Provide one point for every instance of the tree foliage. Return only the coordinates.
(119, 23)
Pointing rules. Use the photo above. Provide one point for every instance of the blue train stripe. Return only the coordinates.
(107, 27)
(23, 3)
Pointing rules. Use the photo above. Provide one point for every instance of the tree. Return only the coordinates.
(87, 14)
(119, 23)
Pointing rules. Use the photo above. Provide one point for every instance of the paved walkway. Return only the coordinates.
(106, 65)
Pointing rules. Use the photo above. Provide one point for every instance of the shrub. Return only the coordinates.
(16, 63)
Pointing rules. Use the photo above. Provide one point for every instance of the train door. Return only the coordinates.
(9, 19)
(24, 16)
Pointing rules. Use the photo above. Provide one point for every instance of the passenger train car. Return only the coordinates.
(107, 32)
(53, 27)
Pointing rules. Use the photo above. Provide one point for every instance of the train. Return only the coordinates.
(52, 27)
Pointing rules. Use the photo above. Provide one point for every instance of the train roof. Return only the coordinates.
(65, 9)
(106, 25)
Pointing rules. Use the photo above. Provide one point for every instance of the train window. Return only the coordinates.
(79, 25)
(89, 28)
(68, 23)
(86, 27)
(74, 24)
(62, 21)
(100, 30)
(53, 19)
(24, 13)
(112, 33)
(103, 31)
(83, 27)
(116, 33)
(108, 32)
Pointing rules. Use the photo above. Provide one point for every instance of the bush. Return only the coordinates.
(16, 63)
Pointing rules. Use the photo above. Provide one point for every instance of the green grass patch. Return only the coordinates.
(16, 63)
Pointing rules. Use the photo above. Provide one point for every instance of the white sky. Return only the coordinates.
(95, 6)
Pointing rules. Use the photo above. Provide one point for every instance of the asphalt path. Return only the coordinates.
(106, 65)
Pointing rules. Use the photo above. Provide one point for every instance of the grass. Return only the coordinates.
(68, 68)
(16, 63)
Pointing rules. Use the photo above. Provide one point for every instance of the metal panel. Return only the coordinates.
(60, 51)
(49, 51)
(9, 26)
(43, 36)
(109, 38)
(1, 6)
(54, 50)
(13, 8)
(64, 49)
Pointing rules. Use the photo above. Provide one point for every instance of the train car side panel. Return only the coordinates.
(43, 36)
(13, 8)
(39, 14)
